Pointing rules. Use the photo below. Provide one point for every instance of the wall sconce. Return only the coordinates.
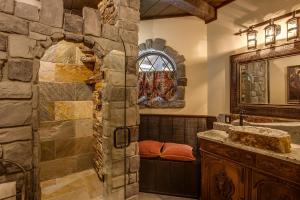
(271, 31)
(293, 27)
(251, 38)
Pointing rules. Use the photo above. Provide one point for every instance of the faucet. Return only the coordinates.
(242, 112)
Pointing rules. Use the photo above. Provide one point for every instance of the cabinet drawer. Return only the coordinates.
(238, 155)
(279, 168)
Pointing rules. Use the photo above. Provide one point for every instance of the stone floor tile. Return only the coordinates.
(85, 185)
(149, 196)
(80, 194)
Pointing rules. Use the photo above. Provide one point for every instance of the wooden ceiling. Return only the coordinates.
(79, 4)
(156, 9)
(204, 9)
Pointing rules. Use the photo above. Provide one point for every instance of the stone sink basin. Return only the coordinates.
(260, 137)
(293, 128)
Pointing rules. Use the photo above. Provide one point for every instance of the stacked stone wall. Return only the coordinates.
(26, 31)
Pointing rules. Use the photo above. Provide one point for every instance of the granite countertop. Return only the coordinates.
(222, 137)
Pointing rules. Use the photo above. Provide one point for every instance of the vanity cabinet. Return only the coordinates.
(229, 173)
(222, 180)
(265, 187)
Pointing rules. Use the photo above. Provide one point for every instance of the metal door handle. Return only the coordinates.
(118, 142)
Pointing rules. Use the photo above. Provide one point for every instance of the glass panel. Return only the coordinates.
(159, 65)
(155, 62)
(167, 65)
(145, 65)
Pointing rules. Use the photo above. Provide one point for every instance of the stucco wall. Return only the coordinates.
(222, 42)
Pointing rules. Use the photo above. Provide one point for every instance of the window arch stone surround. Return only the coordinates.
(160, 45)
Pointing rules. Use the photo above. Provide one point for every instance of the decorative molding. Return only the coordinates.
(224, 185)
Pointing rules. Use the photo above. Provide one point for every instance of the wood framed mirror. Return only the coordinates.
(266, 82)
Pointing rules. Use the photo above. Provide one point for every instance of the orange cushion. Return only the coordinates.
(180, 152)
(150, 148)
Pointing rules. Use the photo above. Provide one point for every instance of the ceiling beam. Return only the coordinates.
(224, 3)
(198, 8)
(166, 16)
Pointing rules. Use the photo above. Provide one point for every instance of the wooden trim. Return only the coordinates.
(199, 8)
(258, 162)
(283, 111)
(212, 19)
(165, 16)
(150, 7)
(178, 115)
(224, 3)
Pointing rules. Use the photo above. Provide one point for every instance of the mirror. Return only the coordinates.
(266, 82)
(273, 81)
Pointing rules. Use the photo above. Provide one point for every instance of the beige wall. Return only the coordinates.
(222, 43)
(207, 49)
(188, 36)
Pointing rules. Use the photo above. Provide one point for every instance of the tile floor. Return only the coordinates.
(148, 196)
(85, 185)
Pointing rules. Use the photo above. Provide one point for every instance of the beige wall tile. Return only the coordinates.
(74, 146)
(71, 73)
(53, 169)
(65, 110)
(7, 189)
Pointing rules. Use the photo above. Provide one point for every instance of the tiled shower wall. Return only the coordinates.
(66, 108)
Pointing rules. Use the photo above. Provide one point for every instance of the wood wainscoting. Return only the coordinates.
(172, 177)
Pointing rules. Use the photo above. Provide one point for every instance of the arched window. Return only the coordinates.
(158, 76)
(154, 60)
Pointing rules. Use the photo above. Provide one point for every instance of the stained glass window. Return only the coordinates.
(157, 78)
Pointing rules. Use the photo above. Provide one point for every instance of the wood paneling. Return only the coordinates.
(218, 3)
(172, 177)
(157, 9)
(204, 9)
(174, 128)
(76, 5)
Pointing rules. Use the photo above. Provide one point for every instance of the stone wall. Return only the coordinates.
(27, 29)
(121, 19)
(113, 117)
(66, 111)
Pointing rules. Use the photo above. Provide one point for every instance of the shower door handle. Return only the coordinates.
(122, 137)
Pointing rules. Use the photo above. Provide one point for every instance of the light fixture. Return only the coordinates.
(271, 32)
(251, 38)
(293, 27)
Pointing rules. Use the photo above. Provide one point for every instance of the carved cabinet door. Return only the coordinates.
(221, 179)
(269, 188)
